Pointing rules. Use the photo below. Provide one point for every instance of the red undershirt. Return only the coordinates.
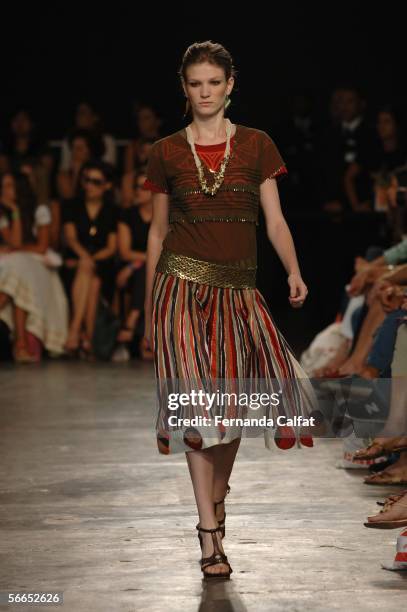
(211, 155)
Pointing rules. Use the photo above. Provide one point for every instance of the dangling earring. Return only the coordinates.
(186, 107)
(227, 101)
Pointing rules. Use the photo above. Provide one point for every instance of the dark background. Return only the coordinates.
(55, 55)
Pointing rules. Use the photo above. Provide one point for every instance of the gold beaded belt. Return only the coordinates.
(238, 275)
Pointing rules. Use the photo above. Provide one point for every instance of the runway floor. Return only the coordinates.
(88, 507)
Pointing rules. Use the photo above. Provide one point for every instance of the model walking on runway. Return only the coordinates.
(205, 320)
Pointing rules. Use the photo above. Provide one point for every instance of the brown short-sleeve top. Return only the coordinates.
(219, 228)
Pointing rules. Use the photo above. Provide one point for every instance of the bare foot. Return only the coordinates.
(395, 511)
(21, 353)
(351, 366)
(369, 372)
(72, 342)
(125, 335)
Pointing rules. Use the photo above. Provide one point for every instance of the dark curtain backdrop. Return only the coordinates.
(56, 53)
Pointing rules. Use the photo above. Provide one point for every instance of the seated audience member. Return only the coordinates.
(147, 131)
(133, 226)
(90, 226)
(83, 148)
(388, 153)
(32, 298)
(393, 437)
(397, 204)
(89, 121)
(127, 190)
(297, 137)
(23, 148)
(342, 145)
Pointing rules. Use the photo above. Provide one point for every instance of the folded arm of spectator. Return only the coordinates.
(124, 243)
(71, 238)
(42, 243)
(109, 250)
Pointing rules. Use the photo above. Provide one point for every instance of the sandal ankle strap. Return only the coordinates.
(208, 530)
(222, 500)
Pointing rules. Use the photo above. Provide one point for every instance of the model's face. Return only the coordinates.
(206, 87)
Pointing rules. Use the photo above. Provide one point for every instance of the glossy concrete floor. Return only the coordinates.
(90, 508)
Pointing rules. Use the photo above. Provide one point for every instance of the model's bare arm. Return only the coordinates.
(156, 234)
(280, 236)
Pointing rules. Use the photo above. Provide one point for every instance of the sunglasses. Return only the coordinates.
(93, 181)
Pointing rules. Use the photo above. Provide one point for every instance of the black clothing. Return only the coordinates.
(93, 236)
(92, 233)
(138, 227)
(139, 234)
(339, 148)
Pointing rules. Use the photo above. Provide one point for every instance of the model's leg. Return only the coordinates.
(224, 457)
(201, 468)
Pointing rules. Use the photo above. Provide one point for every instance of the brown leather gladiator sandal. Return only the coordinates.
(222, 521)
(215, 558)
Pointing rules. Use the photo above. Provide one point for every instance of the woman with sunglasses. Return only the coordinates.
(90, 223)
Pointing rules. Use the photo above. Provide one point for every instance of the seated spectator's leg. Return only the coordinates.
(381, 355)
(4, 298)
(20, 317)
(79, 296)
(136, 305)
(397, 421)
(91, 308)
(357, 359)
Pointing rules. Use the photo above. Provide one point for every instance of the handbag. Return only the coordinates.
(107, 326)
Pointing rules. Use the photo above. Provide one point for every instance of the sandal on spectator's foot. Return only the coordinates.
(388, 524)
(377, 449)
(216, 558)
(86, 349)
(389, 501)
(126, 328)
(221, 522)
(385, 479)
(22, 355)
(72, 345)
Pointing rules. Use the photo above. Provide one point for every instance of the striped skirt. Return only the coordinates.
(210, 340)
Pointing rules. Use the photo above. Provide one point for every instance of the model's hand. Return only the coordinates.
(147, 338)
(298, 290)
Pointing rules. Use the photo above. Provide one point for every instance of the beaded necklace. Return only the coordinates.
(218, 176)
